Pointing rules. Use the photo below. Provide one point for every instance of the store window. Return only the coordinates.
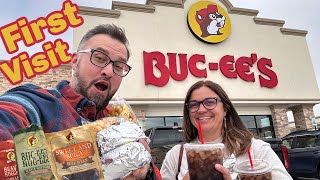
(163, 121)
(173, 121)
(154, 121)
(249, 122)
(260, 126)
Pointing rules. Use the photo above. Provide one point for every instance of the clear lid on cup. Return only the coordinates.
(259, 167)
(203, 146)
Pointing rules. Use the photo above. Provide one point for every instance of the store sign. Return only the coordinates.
(209, 22)
(198, 66)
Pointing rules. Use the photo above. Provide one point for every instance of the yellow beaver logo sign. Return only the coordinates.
(209, 22)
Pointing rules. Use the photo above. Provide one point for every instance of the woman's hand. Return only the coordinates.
(225, 172)
(186, 177)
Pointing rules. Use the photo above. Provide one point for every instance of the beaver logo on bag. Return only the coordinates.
(33, 141)
(70, 136)
(209, 22)
(11, 157)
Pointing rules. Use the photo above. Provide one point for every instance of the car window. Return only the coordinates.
(288, 142)
(311, 142)
(317, 142)
(305, 141)
(147, 132)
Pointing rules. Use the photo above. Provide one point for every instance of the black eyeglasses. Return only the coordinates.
(208, 103)
(101, 59)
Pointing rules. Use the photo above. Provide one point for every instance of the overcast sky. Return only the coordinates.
(296, 14)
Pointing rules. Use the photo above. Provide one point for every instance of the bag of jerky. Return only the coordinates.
(74, 154)
(8, 166)
(32, 154)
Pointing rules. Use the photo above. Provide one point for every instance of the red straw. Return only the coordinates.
(200, 133)
(250, 158)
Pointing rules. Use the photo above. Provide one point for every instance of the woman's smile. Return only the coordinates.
(204, 118)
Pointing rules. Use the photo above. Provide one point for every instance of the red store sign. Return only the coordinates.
(229, 66)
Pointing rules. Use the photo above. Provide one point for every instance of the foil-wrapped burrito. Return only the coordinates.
(120, 151)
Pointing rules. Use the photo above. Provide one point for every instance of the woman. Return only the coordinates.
(208, 103)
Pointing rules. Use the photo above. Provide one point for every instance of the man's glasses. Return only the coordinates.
(208, 103)
(100, 59)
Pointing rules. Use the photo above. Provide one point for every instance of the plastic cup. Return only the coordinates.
(261, 170)
(202, 159)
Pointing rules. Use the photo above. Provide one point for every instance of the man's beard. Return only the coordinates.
(80, 87)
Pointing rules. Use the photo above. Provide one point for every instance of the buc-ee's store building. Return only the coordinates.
(265, 69)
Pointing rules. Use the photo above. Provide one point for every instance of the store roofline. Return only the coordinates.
(150, 7)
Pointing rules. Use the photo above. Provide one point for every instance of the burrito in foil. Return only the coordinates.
(120, 153)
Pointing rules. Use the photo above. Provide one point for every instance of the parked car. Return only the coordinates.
(304, 153)
(162, 140)
(280, 149)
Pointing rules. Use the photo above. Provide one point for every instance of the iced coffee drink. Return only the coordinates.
(202, 159)
(260, 170)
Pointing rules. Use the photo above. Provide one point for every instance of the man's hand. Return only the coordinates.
(140, 173)
(145, 144)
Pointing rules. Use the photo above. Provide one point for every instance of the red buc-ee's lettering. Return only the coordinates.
(155, 62)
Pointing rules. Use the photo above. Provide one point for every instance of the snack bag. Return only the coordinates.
(32, 153)
(120, 108)
(74, 153)
(8, 166)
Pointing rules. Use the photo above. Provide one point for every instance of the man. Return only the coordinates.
(97, 71)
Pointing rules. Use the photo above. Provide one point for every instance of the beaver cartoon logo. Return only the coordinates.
(70, 136)
(33, 141)
(11, 157)
(209, 22)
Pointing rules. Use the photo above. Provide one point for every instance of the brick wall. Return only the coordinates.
(46, 80)
(280, 120)
(302, 116)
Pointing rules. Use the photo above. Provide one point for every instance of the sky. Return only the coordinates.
(296, 14)
(301, 15)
